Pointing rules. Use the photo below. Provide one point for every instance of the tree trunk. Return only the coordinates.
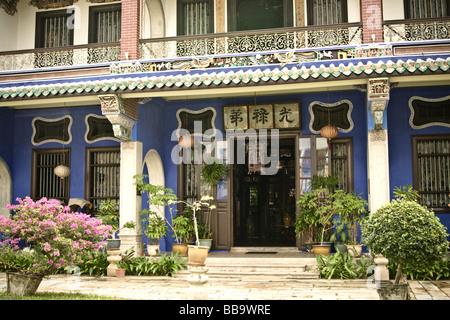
(399, 274)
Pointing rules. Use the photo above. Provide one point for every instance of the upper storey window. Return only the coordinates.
(259, 14)
(195, 17)
(53, 29)
(420, 9)
(322, 12)
(105, 23)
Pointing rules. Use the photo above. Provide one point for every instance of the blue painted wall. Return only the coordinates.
(21, 151)
(400, 132)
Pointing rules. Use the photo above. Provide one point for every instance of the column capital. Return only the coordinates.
(378, 91)
(118, 113)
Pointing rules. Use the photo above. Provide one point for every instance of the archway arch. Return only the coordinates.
(5, 188)
(154, 25)
(155, 170)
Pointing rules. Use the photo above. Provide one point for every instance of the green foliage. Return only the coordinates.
(168, 265)
(158, 198)
(440, 270)
(324, 182)
(183, 227)
(94, 263)
(342, 266)
(203, 231)
(406, 193)
(109, 213)
(212, 173)
(406, 233)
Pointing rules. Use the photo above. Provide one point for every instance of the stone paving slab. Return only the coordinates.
(166, 288)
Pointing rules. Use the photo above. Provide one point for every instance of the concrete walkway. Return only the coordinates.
(166, 288)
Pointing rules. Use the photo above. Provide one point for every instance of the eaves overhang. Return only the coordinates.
(292, 77)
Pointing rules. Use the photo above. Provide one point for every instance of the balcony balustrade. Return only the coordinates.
(252, 41)
(416, 30)
(59, 57)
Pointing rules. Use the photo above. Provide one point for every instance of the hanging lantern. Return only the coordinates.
(62, 171)
(329, 132)
(186, 141)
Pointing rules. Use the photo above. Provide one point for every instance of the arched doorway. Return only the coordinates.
(5, 188)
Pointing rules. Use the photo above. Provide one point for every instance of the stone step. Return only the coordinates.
(284, 264)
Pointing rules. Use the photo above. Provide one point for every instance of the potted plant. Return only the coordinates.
(183, 229)
(317, 210)
(352, 210)
(122, 264)
(54, 237)
(211, 174)
(197, 254)
(154, 218)
(407, 233)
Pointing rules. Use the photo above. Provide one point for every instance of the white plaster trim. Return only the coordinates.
(52, 140)
(155, 171)
(427, 100)
(197, 112)
(5, 189)
(87, 129)
(330, 105)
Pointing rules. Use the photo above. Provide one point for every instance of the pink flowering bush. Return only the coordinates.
(55, 236)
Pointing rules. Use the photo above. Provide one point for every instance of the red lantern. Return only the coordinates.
(329, 132)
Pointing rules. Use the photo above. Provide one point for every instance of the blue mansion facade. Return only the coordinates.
(111, 109)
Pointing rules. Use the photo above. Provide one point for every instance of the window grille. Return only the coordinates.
(420, 9)
(52, 29)
(44, 182)
(106, 23)
(102, 175)
(195, 17)
(327, 12)
(431, 165)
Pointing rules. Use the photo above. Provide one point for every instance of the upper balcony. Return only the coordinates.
(40, 38)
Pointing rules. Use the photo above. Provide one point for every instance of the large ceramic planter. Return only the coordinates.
(181, 248)
(20, 284)
(340, 247)
(321, 249)
(112, 244)
(354, 250)
(389, 291)
(152, 249)
(205, 243)
(197, 255)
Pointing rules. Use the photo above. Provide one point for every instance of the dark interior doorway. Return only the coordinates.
(264, 205)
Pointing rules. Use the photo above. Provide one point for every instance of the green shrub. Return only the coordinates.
(440, 270)
(342, 266)
(406, 233)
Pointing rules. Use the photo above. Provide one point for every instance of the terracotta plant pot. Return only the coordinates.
(120, 272)
(181, 248)
(197, 255)
(321, 249)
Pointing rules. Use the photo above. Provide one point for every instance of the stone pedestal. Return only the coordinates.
(381, 272)
(197, 278)
(114, 256)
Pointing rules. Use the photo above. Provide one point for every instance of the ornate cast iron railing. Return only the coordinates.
(58, 57)
(416, 30)
(252, 41)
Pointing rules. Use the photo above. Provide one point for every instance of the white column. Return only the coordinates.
(130, 201)
(378, 168)
(378, 156)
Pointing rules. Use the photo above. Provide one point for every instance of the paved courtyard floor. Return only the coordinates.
(167, 288)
